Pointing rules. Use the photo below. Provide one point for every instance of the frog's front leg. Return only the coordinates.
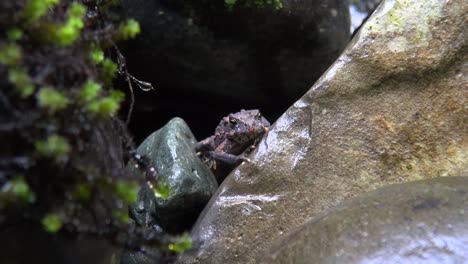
(228, 158)
(205, 145)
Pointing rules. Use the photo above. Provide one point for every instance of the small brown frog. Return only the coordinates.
(234, 137)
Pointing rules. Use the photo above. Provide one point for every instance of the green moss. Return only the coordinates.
(21, 80)
(89, 91)
(52, 223)
(411, 19)
(52, 99)
(121, 215)
(230, 3)
(106, 106)
(83, 192)
(96, 55)
(162, 190)
(16, 191)
(10, 54)
(14, 34)
(127, 191)
(181, 244)
(117, 95)
(54, 146)
(110, 68)
(35, 9)
(129, 29)
(67, 33)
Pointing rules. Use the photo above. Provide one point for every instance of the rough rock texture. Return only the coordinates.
(416, 222)
(390, 109)
(202, 56)
(171, 152)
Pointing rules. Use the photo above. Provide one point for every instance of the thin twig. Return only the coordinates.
(144, 86)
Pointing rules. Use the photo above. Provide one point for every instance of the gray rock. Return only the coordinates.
(417, 222)
(391, 109)
(171, 151)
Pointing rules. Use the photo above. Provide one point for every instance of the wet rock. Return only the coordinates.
(391, 109)
(171, 151)
(417, 222)
(203, 56)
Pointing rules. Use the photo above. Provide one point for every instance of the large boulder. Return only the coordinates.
(202, 56)
(416, 222)
(390, 109)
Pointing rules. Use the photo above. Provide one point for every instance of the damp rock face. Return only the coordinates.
(389, 110)
(171, 151)
(403, 223)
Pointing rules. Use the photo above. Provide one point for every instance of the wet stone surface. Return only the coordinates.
(171, 151)
(391, 109)
(416, 222)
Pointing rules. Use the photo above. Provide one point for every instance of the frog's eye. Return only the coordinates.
(258, 116)
(233, 121)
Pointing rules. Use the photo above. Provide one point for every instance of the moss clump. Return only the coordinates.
(35, 9)
(96, 55)
(68, 32)
(89, 91)
(129, 29)
(54, 146)
(16, 192)
(60, 125)
(52, 223)
(22, 82)
(181, 244)
(10, 54)
(52, 99)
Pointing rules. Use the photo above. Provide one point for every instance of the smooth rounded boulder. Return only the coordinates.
(417, 222)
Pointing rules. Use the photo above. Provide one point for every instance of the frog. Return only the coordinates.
(236, 135)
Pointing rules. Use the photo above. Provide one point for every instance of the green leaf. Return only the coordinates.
(52, 223)
(52, 99)
(182, 244)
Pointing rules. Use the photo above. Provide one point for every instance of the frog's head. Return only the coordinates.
(245, 126)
